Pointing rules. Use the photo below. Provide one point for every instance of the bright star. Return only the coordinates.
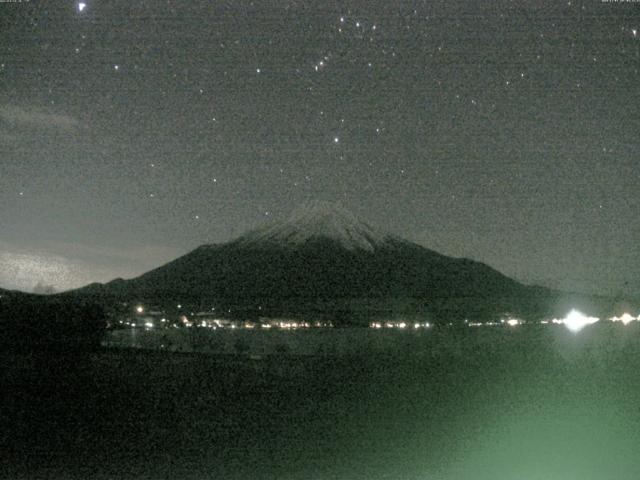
(82, 6)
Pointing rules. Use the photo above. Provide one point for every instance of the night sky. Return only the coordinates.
(134, 131)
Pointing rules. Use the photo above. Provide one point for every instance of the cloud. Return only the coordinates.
(22, 271)
(23, 117)
(67, 265)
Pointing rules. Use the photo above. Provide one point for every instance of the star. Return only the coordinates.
(81, 6)
(336, 140)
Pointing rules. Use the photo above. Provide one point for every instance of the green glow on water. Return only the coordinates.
(476, 404)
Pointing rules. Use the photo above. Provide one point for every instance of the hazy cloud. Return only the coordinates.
(29, 117)
(68, 266)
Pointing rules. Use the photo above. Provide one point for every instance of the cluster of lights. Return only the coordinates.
(625, 319)
(400, 325)
(484, 324)
(288, 325)
(321, 64)
(576, 321)
(292, 325)
(227, 324)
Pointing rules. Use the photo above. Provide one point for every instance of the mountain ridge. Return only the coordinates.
(324, 261)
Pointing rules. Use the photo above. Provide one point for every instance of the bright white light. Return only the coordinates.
(140, 309)
(625, 319)
(512, 322)
(336, 139)
(82, 6)
(402, 325)
(576, 321)
(148, 325)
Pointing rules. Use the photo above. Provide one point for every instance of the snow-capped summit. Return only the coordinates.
(319, 219)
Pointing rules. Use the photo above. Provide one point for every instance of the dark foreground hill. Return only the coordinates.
(37, 323)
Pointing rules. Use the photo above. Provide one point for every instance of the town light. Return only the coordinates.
(625, 319)
(576, 321)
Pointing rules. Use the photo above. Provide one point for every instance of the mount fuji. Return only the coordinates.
(319, 220)
(324, 261)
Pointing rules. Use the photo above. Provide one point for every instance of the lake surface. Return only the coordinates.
(487, 403)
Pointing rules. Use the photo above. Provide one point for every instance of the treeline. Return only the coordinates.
(32, 323)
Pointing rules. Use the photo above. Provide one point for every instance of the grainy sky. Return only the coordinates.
(504, 131)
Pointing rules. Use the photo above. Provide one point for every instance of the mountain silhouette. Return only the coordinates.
(324, 261)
